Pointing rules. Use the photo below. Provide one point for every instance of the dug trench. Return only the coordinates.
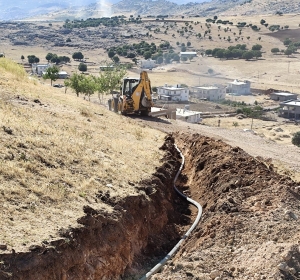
(249, 228)
(108, 245)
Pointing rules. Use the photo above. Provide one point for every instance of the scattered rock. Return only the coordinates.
(3, 247)
(283, 267)
(214, 274)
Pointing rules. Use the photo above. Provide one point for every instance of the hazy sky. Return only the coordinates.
(30, 3)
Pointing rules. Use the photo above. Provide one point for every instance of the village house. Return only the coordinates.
(239, 87)
(283, 96)
(189, 116)
(290, 109)
(62, 75)
(147, 64)
(173, 93)
(211, 93)
(38, 69)
(188, 55)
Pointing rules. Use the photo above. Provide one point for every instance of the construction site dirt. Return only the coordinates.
(249, 228)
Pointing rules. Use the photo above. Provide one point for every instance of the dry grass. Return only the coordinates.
(58, 151)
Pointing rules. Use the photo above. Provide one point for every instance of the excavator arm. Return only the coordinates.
(141, 95)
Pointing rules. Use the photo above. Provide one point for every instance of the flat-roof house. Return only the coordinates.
(106, 67)
(188, 116)
(147, 64)
(38, 69)
(290, 109)
(239, 87)
(283, 96)
(62, 75)
(188, 54)
(211, 93)
(173, 93)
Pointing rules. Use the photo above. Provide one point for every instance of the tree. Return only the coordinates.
(275, 50)
(257, 54)
(88, 85)
(288, 52)
(287, 41)
(296, 139)
(208, 52)
(51, 73)
(75, 83)
(116, 59)
(220, 53)
(33, 59)
(110, 80)
(82, 67)
(256, 47)
(176, 57)
(183, 48)
(147, 55)
(22, 57)
(160, 60)
(77, 56)
(247, 55)
(49, 56)
(184, 58)
(262, 21)
(188, 44)
(111, 53)
(55, 59)
(68, 40)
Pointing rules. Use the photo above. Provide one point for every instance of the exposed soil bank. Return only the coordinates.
(250, 225)
(105, 245)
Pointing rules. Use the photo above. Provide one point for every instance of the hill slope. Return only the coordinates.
(58, 152)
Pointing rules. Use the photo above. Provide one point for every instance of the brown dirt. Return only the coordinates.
(250, 220)
(293, 34)
(105, 245)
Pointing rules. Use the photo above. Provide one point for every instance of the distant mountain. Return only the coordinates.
(81, 9)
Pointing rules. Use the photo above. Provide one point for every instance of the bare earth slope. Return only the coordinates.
(83, 197)
(250, 226)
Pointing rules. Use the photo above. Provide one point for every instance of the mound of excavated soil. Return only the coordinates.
(250, 223)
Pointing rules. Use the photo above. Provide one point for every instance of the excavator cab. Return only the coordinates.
(129, 86)
(135, 96)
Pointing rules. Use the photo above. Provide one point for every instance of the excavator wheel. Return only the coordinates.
(114, 104)
(144, 113)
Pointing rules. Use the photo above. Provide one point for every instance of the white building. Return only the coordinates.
(188, 116)
(290, 109)
(147, 64)
(188, 54)
(173, 93)
(239, 87)
(283, 96)
(62, 75)
(38, 69)
(212, 93)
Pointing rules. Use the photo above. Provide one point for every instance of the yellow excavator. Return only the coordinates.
(135, 96)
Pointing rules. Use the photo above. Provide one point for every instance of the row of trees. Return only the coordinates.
(143, 49)
(107, 81)
(239, 51)
(54, 58)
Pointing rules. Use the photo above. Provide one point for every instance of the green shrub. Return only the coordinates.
(296, 139)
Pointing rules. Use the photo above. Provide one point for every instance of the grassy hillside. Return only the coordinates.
(58, 152)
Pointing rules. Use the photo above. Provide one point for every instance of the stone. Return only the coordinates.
(3, 247)
(214, 274)
(283, 267)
